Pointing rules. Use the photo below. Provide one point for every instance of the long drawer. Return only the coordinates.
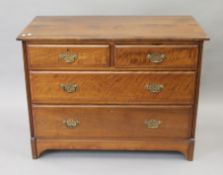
(112, 87)
(112, 121)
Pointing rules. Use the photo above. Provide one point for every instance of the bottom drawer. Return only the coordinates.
(112, 121)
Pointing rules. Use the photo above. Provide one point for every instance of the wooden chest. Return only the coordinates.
(113, 83)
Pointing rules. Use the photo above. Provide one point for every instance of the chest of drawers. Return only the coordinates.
(112, 83)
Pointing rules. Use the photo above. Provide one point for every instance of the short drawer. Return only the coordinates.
(112, 87)
(112, 121)
(67, 56)
(156, 56)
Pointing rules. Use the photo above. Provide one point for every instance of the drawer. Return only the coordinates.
(112, 121)
(67, 56)
(156, 56)
(112, 87)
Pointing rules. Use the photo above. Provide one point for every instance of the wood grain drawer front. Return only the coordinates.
(130, 122)
(112, 87)
(68, 56)
(156, 56)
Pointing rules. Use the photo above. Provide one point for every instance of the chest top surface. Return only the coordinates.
(113, 28)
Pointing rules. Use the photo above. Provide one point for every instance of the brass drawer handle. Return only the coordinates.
(154, 88)
(153, 124)
(71, 123)
(68, 57)
(156, 57)
(69, 88)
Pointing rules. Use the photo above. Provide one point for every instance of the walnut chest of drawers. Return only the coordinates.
(112, 83)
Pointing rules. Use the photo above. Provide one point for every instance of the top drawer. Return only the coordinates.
(67, 56)
(156, 56)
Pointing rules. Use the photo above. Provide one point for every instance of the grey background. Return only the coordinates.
(15, 157)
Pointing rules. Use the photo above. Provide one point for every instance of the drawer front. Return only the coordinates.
(112, 87)
(111, 121)
(68, 56)
(152, 56)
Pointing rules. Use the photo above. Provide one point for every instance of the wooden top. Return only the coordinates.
(113, 28)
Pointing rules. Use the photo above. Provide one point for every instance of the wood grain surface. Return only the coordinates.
(112, 121)
(113, 28)
(176, 56)
(112, 87)
(41, 56)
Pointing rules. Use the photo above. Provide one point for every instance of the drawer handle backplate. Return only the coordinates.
(71, 123)
(154, 88)
(69, 88)
(68, 57)
(153, 124)
(156, 57)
